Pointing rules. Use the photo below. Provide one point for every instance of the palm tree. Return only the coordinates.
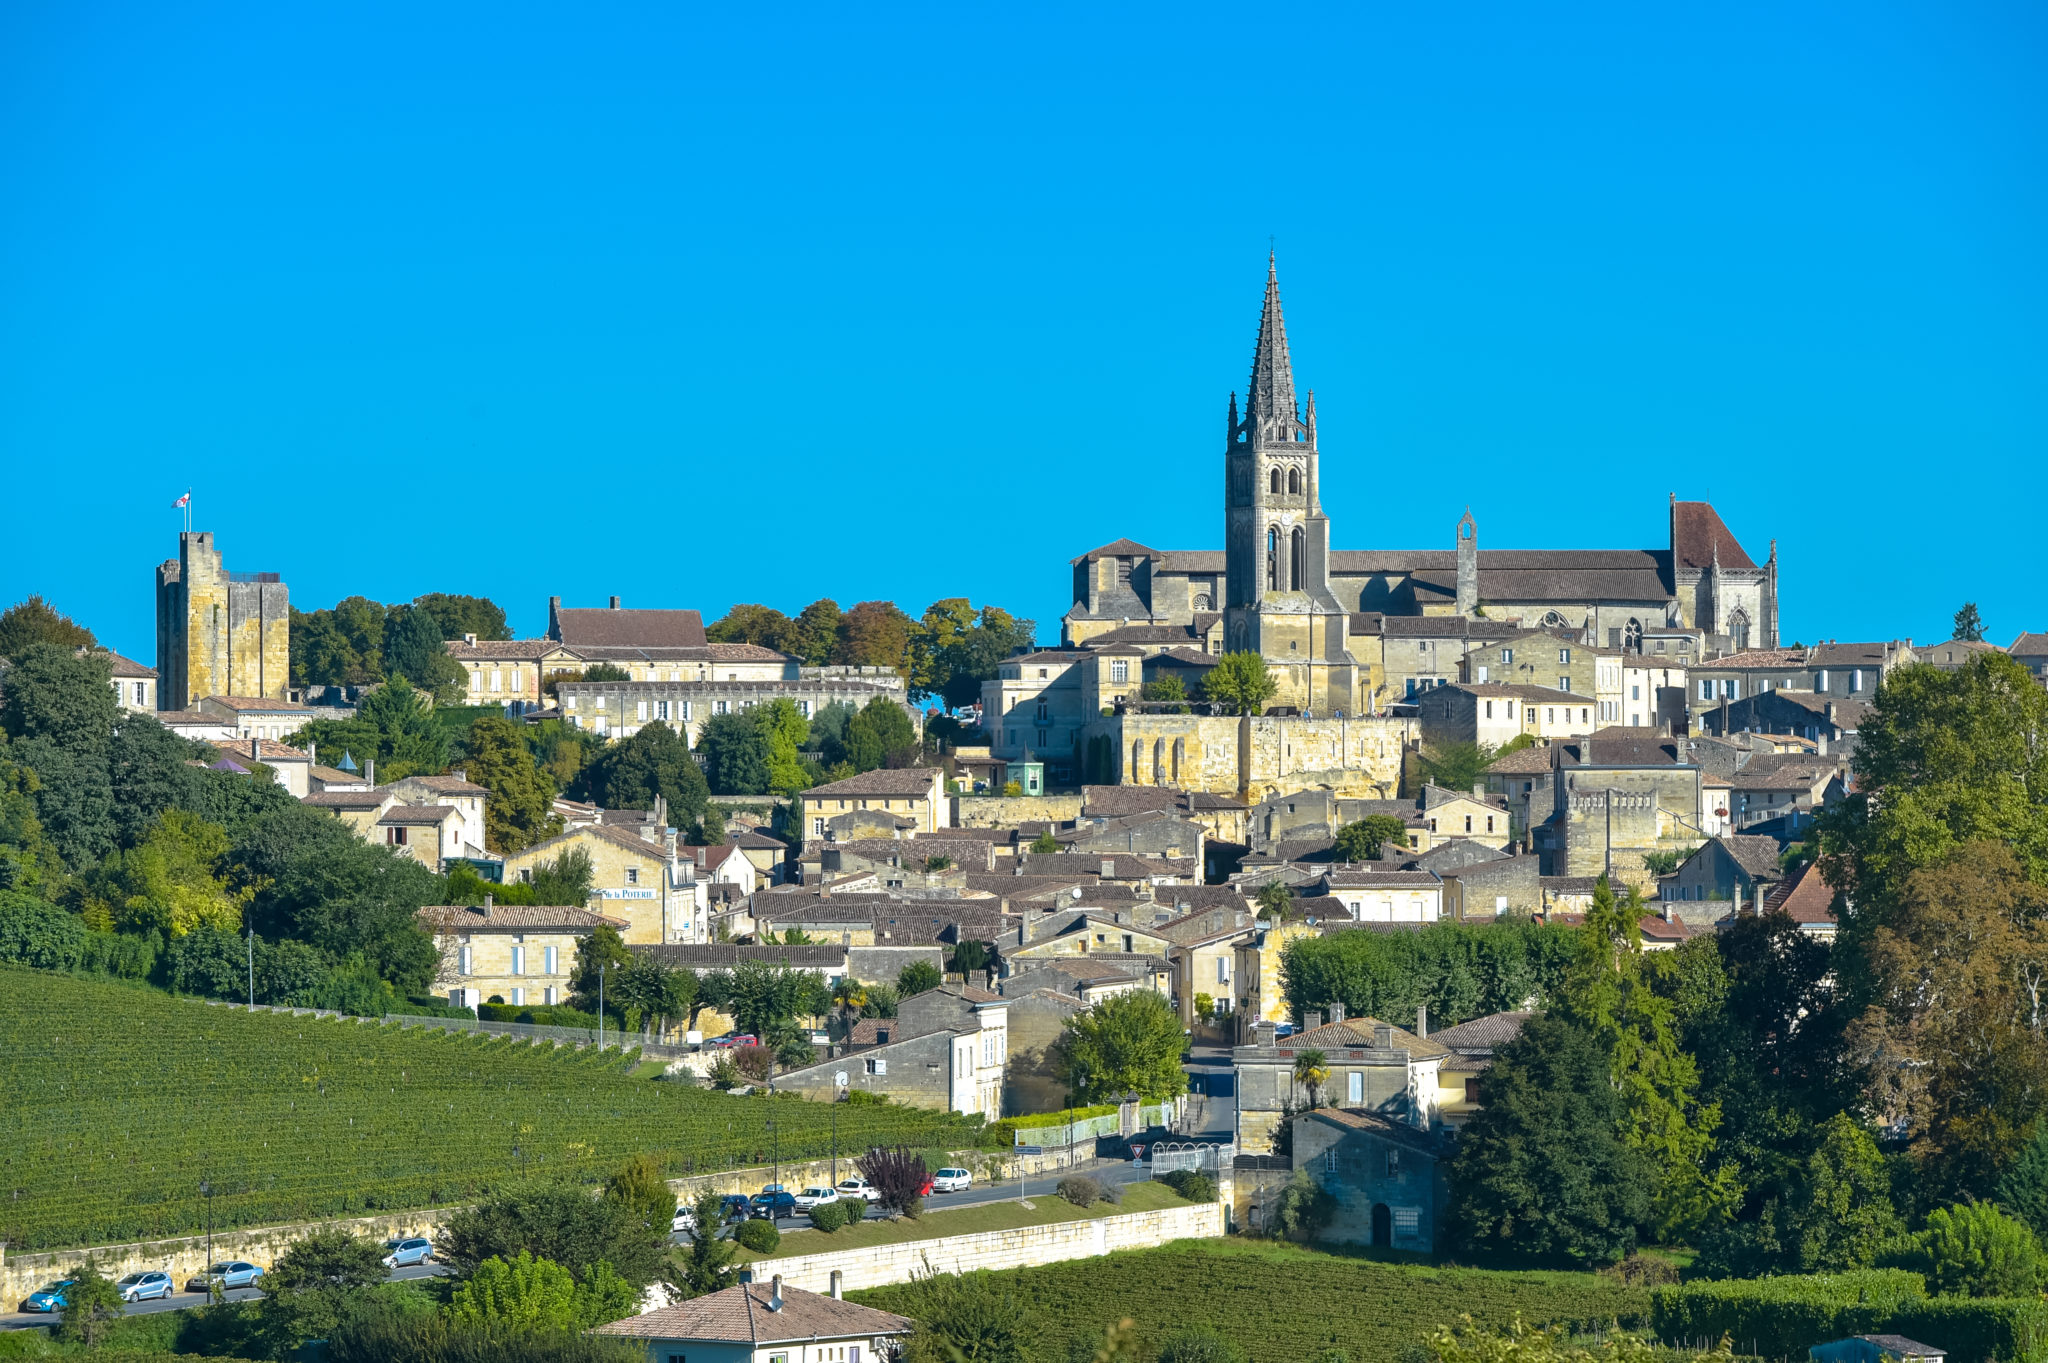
(1275, 899)
(1311, 1072)
(849, 996)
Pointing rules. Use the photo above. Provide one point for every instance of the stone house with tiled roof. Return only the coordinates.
(1808, 900)
(1373, 1065)
(1486, 890)
(1493, 714)
(946, 1048)
(1836, 671)
(764, 1322)
(1385, 1177)
(508, 953)
(652, 886)
(2030, 650)
(917, 794)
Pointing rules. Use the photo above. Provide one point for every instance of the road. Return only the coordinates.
(179, 1301)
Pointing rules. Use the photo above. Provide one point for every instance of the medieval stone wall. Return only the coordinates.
(1259, 756)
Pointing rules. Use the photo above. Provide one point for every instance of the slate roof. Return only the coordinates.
(2033, 645)
(510, 918)
(885, 781)
(1758, 856)
(741, 1315)
(604, 628)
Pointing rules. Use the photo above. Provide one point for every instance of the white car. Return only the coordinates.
(817, 1195)
(685, 1220)
(952, 1181)
(858, 1187)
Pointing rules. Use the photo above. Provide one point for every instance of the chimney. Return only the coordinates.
(312, 753)
(1109, 868)
(1336, 1012)
(1422, 1020)
(775, 1283)
(1822, 744)
(1311, 1020)
(1383, 1037)
(370, 772)
(838, 1275)
(469, 639)
(461, 773)
(615, 606)
(487, 904)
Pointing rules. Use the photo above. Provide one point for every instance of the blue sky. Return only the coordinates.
(700, 304)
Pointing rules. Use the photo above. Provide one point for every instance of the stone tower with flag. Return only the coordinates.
(219, 633)
(1277, 598)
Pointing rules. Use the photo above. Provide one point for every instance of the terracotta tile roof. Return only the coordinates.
(1358, 1119)
(1756, 855)
(418, 814)
(2033, 645)
(127, 668)
(1621, 746)
(239, 703)
(501, 650)
(1482, 1035)
(1656, 929)
(1700, 540)
(510, 918)
(630, 842)
(346, 799)
(1873, 654)
(260, 750)
(741, 1315)
(1084, 865)
(762, 841)
(1811, 900)
(1522, 762)
(334, 776)
(1358, 1034)
(905, 781)
(444, 785)
(1757, 657)
(603, 628)
(746, 653)
(1354, 878)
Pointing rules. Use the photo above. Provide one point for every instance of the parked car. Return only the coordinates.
(858, 1187)
(413, 1249)
(817, 1195)
(735, 1039)
(229, 1273)
(772, 1206)
(952, 1181)
(48, 1297)
(734, 1207)
(685, 1219)
(146, 1286)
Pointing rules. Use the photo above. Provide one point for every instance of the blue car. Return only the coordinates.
(413, 1249)
(229, 1273)
(48, 1297)
(150, 1286)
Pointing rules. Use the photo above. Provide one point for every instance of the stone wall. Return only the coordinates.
(1259, 756)
(1000, 811)
(1024, 1247)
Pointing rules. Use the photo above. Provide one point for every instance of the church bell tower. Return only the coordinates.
(1277, 596)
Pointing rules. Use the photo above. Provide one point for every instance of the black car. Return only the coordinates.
(772, 1206)
(734, 1207)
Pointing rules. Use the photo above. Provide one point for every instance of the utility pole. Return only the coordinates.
(252, 968)
(600, 1006)
(206, 1191)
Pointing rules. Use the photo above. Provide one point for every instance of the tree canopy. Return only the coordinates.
(1126, 1043)
(1241, 683)
(36, 621)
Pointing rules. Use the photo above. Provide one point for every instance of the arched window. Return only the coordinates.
(1297, 572)
(1273, 554)
(1276, 479)
(1203, 603)
(1552, 620)
(1294, 481)
(1632, 635)
(1738, 629)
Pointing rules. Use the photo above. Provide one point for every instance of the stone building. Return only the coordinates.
(516, 954)
(1618, 795)
(946, 1050)
(1384, 1177)
(1836, 671)
(1373, 1066)
(134, 685)
(219, 633)
(650, 885)
(1494, 713)
(913, 798)
(2030, 650)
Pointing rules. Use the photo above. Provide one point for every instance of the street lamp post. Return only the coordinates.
(600, 1006)
(775, 1152)
(206, 1191)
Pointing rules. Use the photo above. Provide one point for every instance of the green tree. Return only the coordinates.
(1455, 766)
(918, 977)
(89, 1304)
(524, 1294)
(656, 989)
(1839, 1215)
(341, 646)
(36, 621)
(2023, 1190)
(1169, 689)
(456, 616)
(786, 732)
(1541, 1170)
(880, 732)
(816, 636)
(1303, 1208)
(1045, 843)
(1368, 838)
(308, 1289)
(970, 1318)
(875, 634)
(1241, 683)
(654, 761)
(767, 999)
(881, 1001)
(602, 948)
(707, 1266)
(752, 624)
(560, 1222)
(1975, 1250)
(394, 725)
(1610, 992)
(59, 714)
(1459, 970)
(173, 881)
(1275, 900)
(1969, 626)
(1126, 1043)
(735, 753)
(413, 650)
(519, 809)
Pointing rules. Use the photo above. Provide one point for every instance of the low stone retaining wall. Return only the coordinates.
(1023, 1247)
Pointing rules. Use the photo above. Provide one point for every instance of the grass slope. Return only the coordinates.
(119, 1101)
(1283, 1303)
(1045, 1209)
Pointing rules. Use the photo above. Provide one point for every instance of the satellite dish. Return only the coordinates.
(1076, 892)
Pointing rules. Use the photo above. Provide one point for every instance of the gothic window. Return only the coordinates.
(1296, 573)
(1632, 636)
(1294, 480)
(1203, 603)
(1276, 478)
(1552, 620)
(1273, 554)
(1738, 627)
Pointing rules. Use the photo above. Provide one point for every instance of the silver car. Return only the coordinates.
(146, 1286)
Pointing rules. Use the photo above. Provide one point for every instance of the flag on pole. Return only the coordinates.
(185, 500)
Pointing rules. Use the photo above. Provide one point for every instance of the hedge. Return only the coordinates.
(1785, 1316)
(1004, 1132)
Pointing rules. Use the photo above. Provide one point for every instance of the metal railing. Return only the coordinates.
(1167, 1156)
(566, 1036)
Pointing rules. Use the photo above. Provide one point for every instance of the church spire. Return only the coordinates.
(1270, 405)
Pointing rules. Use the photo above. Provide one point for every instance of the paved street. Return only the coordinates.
(179, 1301)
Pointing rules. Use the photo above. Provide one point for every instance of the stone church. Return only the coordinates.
(1279, 588)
